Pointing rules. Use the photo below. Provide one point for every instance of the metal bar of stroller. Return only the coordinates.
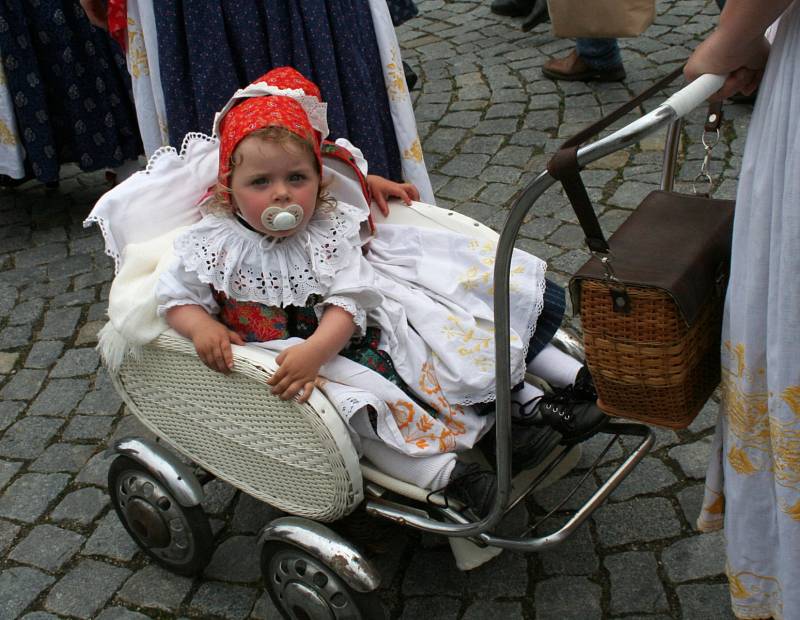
(675, 107)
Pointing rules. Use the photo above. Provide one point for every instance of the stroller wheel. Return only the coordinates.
(302, 587)
(177, 537)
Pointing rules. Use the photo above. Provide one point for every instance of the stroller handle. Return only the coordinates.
(694, 93)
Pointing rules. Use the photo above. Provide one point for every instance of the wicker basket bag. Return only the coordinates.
(651, 297)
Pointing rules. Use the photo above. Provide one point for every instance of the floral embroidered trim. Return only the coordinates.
(348, 305)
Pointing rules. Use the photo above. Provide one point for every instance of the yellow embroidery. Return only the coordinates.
(6, 135)
(414, 152)
(137, 55)
(793, 512)
(737, 587)
(476, 342)
(481, 276)
(755, 596)
(740, 462)
(791, 397)
(396, 80)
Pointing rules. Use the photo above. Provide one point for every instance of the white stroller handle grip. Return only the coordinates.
(695, 93)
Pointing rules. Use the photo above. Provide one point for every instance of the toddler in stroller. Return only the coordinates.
(275, 258)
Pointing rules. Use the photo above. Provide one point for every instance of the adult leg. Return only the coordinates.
(592, 60)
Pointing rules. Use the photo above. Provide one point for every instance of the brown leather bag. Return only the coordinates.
(651, 297)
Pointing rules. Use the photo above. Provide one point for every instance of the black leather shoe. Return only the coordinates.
(512, 8)
(530, 445)
(538, 15)
(472, 486)
(583, 388)
(574, 417)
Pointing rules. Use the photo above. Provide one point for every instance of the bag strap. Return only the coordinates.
(564, 165)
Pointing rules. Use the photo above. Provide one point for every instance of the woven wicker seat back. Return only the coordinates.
(297, 458)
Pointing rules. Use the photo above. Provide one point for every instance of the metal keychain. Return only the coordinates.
(710, 140)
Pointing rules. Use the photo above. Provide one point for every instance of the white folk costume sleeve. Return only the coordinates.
(179, 287)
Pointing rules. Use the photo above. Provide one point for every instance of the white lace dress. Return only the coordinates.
(429, 292)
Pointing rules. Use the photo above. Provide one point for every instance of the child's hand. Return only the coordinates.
(298, 367)
(383, 189)
(213, 345)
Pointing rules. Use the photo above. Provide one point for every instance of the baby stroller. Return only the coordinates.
(301, 459)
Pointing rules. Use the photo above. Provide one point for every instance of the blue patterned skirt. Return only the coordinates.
(70, 88)
(207, 49)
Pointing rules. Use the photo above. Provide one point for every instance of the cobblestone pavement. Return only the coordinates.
(487, 119)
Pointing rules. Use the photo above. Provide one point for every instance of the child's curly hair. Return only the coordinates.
(222, 198)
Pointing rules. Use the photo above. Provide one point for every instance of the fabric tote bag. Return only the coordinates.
(600, 18)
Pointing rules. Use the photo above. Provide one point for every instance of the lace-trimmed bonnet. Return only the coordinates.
(281, 97)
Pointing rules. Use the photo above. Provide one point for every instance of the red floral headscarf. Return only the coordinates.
(260, 112)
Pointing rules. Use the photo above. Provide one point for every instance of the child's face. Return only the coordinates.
(269, 174)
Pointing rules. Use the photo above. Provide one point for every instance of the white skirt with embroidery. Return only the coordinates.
(753, 481)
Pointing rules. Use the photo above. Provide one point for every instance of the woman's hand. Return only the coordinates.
(298, 367)
(213, 344)
(743, 63)
(383, 189)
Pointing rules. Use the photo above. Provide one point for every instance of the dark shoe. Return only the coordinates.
(530, 445)
(742, 98)
(512, 8)
(573, 68)
(472, 486)
(583, 388)
(575, 418)
(410, 76)
(538, 15)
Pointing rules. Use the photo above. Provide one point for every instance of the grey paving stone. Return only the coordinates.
(76, 362)
(60, 397)
(251, 515)
(7, 362)
(637, 520)
(693, 457)
(70, 266)
(44, 353)
(47, 547)
(65, 457)
(575, 556)
(28, 496)
(236, 560)
(60, 323)
(467, 165)
(40, 255)
(433, 572)
(39, 615)
(8, 532)
(75, 298)
(461, 189)
(504, 577)
(96, 471)
(88, 427)
(550, 497)
(649, 476)
(27, 312)
(98, 311)
(567, 598)
(81, 506)
(630, 194)
(85, 589)
(15, 336)
(154, 587)
(111, 540)
(494, 609)
(101, 402)
(221, 599)
(707, 418)
(635, 584)
(120, 613)
(23, 385)
(439, 607)
(487, 145)
(697, 557)
(218, 497)
(7, 471)
(27, 437)
(704, 601)
(19, 587)
(691, 500)
(264, 609)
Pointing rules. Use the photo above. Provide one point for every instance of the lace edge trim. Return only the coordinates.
(358, 313)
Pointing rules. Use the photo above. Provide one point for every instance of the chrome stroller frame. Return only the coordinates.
(346, 571)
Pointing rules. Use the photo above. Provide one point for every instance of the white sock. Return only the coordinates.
(554, 366)
(522, 396)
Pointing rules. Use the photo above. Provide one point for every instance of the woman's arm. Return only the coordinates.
(211, 339)
(737, 47)
(299, 365)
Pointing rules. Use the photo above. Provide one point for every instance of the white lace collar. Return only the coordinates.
(248, 266)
